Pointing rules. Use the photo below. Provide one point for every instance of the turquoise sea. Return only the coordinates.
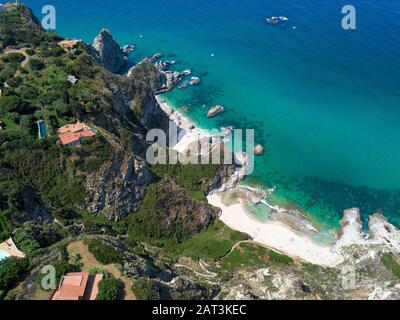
(324, 101)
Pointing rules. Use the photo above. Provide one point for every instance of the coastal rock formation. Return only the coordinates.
(380, 231)
(258, 150)
(158, 75)
(214, 111)
(172, 79)
(117, 188)
(109, 52)
(351, 228)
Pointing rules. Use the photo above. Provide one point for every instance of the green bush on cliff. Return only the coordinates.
(190, 177)
(104, 253)
(390, 262)
(146, 289)
(109, 288)
(11, 271)
(211, 244)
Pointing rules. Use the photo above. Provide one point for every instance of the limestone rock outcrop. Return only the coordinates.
(109, 52)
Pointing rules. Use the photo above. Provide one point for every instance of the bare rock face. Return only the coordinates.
(258, 150)
(351, 227)
(214, 111)
(116, 189)
(110, 54)
(382, 231)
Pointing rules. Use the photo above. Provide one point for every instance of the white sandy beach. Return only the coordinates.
(190, 132)
(275, 235)
(272, 234)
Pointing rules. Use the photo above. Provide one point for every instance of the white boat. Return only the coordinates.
(283, 18)
(272, 20)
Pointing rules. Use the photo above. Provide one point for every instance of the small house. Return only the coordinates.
(73, 134)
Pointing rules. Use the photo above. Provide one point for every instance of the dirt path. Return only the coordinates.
(23, 63)
(89, 261)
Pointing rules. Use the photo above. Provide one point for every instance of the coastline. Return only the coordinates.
(189, 133)
(273, 234)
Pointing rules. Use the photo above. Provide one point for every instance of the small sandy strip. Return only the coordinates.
(275, 235)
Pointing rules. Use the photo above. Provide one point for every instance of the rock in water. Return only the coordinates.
(214, 111)
(258, 150)
(110, 54)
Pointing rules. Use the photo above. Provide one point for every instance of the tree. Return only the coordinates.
(11, 270)
(9, 104)
(13, 116)
(109, 288)
(146, 289)
(26, 123)
(36, 64)
(14, 57)
(104, 253)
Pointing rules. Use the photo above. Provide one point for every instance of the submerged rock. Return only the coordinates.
(214, 111)
(258, 150)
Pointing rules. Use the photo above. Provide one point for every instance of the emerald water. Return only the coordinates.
(325, 102)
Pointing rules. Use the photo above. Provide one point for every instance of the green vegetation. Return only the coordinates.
(13, 57)
(36, 64)
(191, 177)
(145, 289)
(104, 253)
(109, 288)
(390, 262)
(279, 258)
(253, 255)
(211, 244)
(11, 270)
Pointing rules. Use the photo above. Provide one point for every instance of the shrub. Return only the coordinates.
(279, 258)
(14, 57)
(109, 288)
(36, 64)
(26, 123)
(389, 261)
(104, 253)
(13, 116)
(11, 270)
(30, 51)
(10, 104)
(14, 82)
(146, 289)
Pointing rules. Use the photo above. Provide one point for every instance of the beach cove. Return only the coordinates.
(322, 101)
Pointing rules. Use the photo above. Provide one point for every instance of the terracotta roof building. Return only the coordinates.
(69, 44)
(72, 134)
(78, 286)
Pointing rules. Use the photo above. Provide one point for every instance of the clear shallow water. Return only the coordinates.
(325, 102)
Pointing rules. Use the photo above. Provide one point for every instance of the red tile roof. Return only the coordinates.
(72, 133)
(78, 286)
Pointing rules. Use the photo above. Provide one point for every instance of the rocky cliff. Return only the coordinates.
(109, 52)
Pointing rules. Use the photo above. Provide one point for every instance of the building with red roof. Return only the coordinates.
(72, 134)
(78, 286)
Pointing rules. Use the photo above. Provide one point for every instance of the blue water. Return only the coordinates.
(325, 102)
(42, 129)
(3, 255)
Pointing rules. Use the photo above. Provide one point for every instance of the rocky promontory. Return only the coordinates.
(109, 52)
